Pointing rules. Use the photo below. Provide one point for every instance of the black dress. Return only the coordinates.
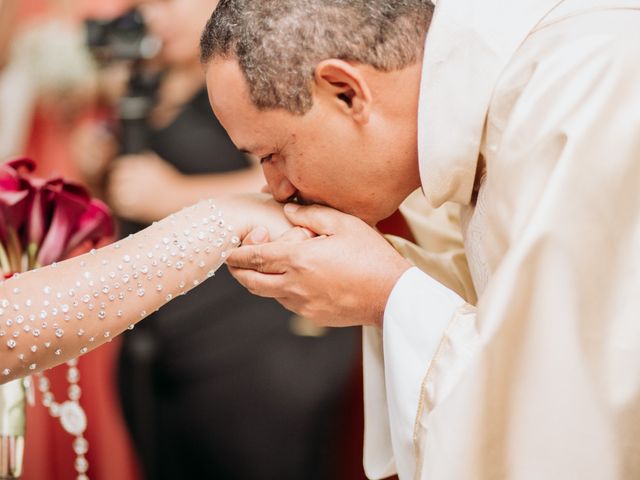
(215, 385)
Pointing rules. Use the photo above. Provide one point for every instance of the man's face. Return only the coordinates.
(323, 156)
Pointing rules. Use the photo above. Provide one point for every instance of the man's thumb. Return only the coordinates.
(256, 236)
(319, 219)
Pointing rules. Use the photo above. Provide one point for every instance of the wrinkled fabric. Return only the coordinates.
(540, 379)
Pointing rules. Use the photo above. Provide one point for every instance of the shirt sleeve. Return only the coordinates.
(417, 313)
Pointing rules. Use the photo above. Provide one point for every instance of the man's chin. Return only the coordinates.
(370, 219)
(367, 216)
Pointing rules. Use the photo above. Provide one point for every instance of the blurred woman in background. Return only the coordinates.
(223, 384)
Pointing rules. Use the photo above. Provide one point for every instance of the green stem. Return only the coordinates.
(32, 255)
(4, 260)
(15, 250)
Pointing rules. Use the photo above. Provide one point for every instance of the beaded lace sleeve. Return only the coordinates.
(61, 311)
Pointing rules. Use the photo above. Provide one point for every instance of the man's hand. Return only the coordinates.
(342, 277)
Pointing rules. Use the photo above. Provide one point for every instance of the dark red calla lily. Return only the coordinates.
(15, 194)
(41, 212)
(95, 224)
(45, 219)
(69, 203)
(21, 165)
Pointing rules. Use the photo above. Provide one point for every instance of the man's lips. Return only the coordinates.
(299, 199)
(302, 200)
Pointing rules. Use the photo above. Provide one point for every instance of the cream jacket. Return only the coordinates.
(529, 120)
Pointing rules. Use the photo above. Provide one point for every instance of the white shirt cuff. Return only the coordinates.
(417, 314)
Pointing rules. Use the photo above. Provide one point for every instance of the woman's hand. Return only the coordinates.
(255, 213)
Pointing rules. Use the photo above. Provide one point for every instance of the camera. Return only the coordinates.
(126, 39)
(121, 38)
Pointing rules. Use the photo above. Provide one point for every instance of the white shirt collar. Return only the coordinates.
(468, 45)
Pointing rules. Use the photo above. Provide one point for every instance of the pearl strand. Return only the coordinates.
(70, 413)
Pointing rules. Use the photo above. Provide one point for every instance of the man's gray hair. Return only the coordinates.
(279, 43)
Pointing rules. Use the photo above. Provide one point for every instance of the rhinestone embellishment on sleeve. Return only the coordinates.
(88, 300)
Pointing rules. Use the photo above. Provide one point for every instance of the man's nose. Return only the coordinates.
(281, 188)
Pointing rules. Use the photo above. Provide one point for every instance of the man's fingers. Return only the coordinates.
(261, 284)
(265, 258)
(289, 303)
(269, 286)
(317, 218)
(296, 234)
(256, 236)
(261, 235)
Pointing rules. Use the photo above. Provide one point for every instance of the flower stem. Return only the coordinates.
(32, 255)
(15, 250)
(4, 260)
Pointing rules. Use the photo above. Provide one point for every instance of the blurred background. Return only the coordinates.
(218, 384)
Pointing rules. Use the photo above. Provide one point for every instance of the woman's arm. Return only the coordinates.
(50, 315)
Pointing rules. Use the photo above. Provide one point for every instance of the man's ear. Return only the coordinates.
(344, 84)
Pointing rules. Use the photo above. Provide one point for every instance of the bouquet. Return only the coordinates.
(41, 222)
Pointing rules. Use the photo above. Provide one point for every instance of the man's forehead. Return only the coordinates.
(252, 130)
(231, 105)
(228, 95)
(225, 81)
